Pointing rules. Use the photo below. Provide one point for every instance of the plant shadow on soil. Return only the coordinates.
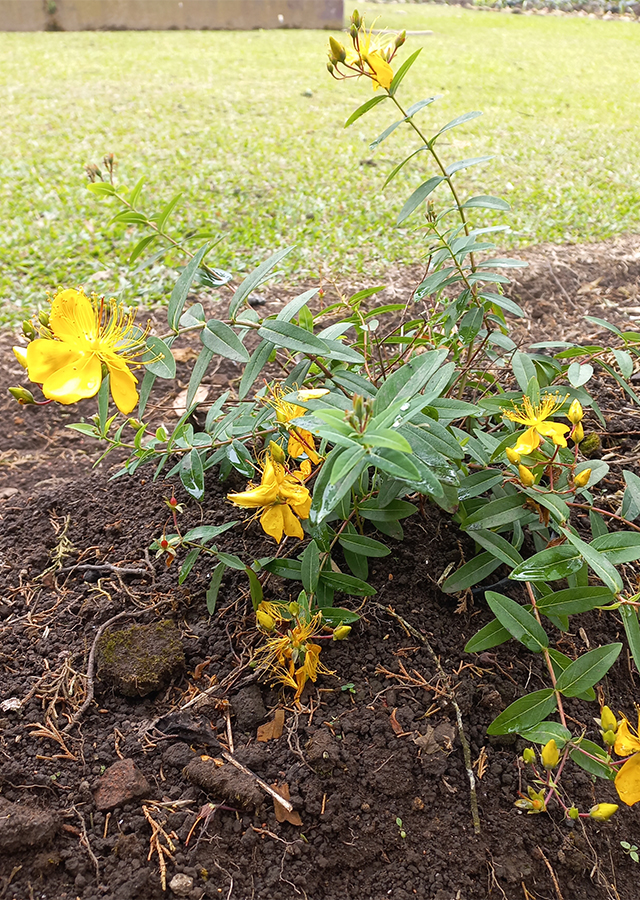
(374, 744)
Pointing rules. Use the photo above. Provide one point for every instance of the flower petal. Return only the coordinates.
(554, 430)
(626, 742)
(381, 69)
(73, 319)
(292, 527)
(46, 357)
(272, 522)
(628, 781)
(123, 384)
(79, 379)
(528, 442)
(263, 495)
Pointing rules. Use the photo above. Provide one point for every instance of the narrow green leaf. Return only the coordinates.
(519, 623)
(181, 288)
(197, 373)
(232, 561)
(292, 337)
(362, 545)
(256, 278)
(571, 601)
(419, 196)
(347, 584)
(257, 361)
(255, 588)
(619, 546)
(361, 110)
(310, 569)
(459, 120)
(592, 766)
(334, 615)
(162, 218)
(492, 635)
(487, 202)
(545, 732)
(471, 573)
(549, 565)
(214, 588)
(629, 617)
(497, 513)
(465, 163)
(524, 713)
(162, 364)
(223, 341)
(204, 533)
(597, 561)
(498, 546)
(479, 482)
(192, 474)
(402, 71)
(587, 670)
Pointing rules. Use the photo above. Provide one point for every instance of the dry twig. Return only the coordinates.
(156, 846)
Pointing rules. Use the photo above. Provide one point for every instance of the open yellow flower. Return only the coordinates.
(628, 778)
(535, 418)
(373, 51)
(301, 442)
(282, 497)
(87, 334)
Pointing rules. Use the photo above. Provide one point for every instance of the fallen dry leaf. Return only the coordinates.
(282, 814)
(184, 354)
(199, 669)
(179, 405)
(397, 727)
(271, 731)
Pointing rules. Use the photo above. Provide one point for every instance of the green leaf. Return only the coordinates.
(625, 363)
(162, 364)
(103, 402)
(398, 465)
(181, 288)
(402, 71)
(163, 216)
(465, 163)
(598, 524)
(498, 546)
(419, 196)
(141, 246)
(471, 573)
(545, 732)
(346, 462)
(631, 499)
(223, 341)
(292, 337)
(629, 616)
(587, 670)
(85, 428)
(347, 584)
(198, 372)
(619, 546)
(256, 278)
(188, 564)
(524, 713)
(101, 189)
(362, 545)
(574, 600)
(310, 569)
(519, 623)
(214, 587)
(459, 120)
(232, 561)
(599, 563)
(523, 368)
(192, 474)
(549, 565)
(204, 533)
(492, 635)
(497, 513)
(334, 615)
(285, 568)
(592, 766)
(409, 379)
(416, 107)
(487, 202)
(255, 588)
(293, 307)
(479, 482)
(361, 110)
(257, 361)
(397, 509)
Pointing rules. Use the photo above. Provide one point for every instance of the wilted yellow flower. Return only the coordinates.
(627, 780)
(282, 497)
(87, 334)
(550, 755)
(301, 442)
(293, 659)
(582, 478)
(535, 417)
(603, 811)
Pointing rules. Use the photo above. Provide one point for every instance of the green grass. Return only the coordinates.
(249, 127)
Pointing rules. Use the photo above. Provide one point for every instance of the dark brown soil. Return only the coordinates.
(372, 760)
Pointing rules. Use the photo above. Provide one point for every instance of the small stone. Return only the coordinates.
(23, 826)
(142, 659)
(177, 755)
(249, 708)
(122, 782)
(181, 884)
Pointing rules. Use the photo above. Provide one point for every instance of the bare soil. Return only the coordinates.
(372, 758)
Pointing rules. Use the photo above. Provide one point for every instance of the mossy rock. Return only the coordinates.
(140, 660)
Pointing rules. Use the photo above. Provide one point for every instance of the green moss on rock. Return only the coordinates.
(140, 660)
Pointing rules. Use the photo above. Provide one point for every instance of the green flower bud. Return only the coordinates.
(609, 737)
(356, 19)
(607, 720)
(528, 755)
(401, 38)
(28, 330)
(573, 812)
(43, 317)
(339, 54)
(22, 395)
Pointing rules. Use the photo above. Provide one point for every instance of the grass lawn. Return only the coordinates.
(248, 125)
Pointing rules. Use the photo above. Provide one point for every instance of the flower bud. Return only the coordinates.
(338, 53)
(608, 721)
(573, 812)
(400, 39)
(578, 433)
(294, 608)
(330, 67)
(526, 476)
(603, 811)
(550, 755)
(277, 453)
(43, 317)
(575, 413)
(512, 456)
(582, 478)
(341, 632)
(353, 32)
(21, 355)
(28, 330)
(22, 395)
(609, 737)
(356, 18)
(265, 621)
(529, 755)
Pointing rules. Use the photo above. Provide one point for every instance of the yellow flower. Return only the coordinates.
(535, 417)
(526, 476)
(582, 478)
(550, 755)
(292, 658)
(371, 55)
(268, 615)
(282, 497)
(88, 333)
(603, 811)
(628, 778)
(301, 442)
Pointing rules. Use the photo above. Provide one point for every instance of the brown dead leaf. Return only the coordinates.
(271, 731)
(199, 669)
(184, 354)
(427, 742)
(179, 406)
(397, 727)
(282, 814)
